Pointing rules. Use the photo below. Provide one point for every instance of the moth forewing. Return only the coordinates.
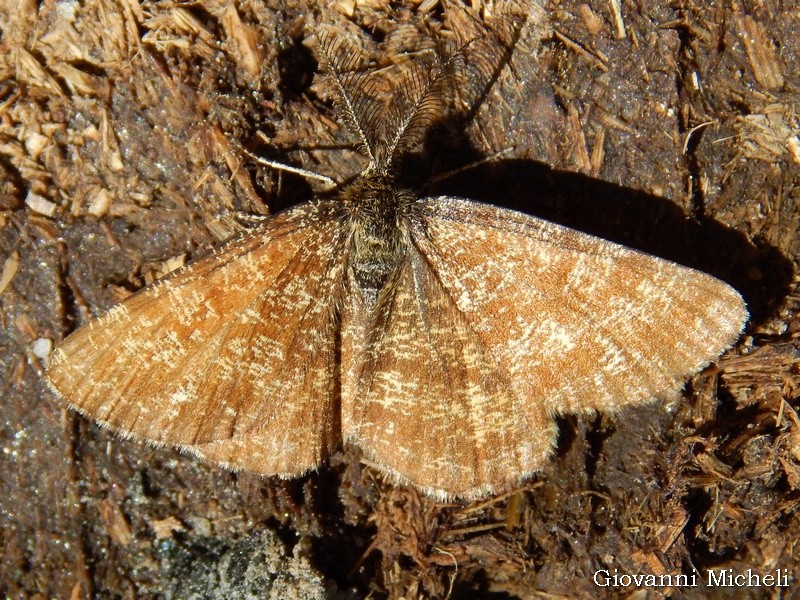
(594, 325)
(218, 355)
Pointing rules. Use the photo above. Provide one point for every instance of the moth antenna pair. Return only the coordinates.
(419, 100)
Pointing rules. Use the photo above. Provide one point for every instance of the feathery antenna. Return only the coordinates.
(355, 94)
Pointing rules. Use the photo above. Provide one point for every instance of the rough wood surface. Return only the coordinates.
(670, 129)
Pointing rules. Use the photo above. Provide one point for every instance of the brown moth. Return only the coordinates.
(438, 334)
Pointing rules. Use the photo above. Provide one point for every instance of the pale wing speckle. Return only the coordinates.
(578, 322)
(432, 405)
(218, 369)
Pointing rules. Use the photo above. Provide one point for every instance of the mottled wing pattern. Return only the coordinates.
(577, 322)
(240, 369)
(432, 405)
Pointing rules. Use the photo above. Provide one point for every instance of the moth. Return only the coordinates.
(440, 335)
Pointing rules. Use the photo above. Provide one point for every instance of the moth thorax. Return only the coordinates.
(379, 212)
